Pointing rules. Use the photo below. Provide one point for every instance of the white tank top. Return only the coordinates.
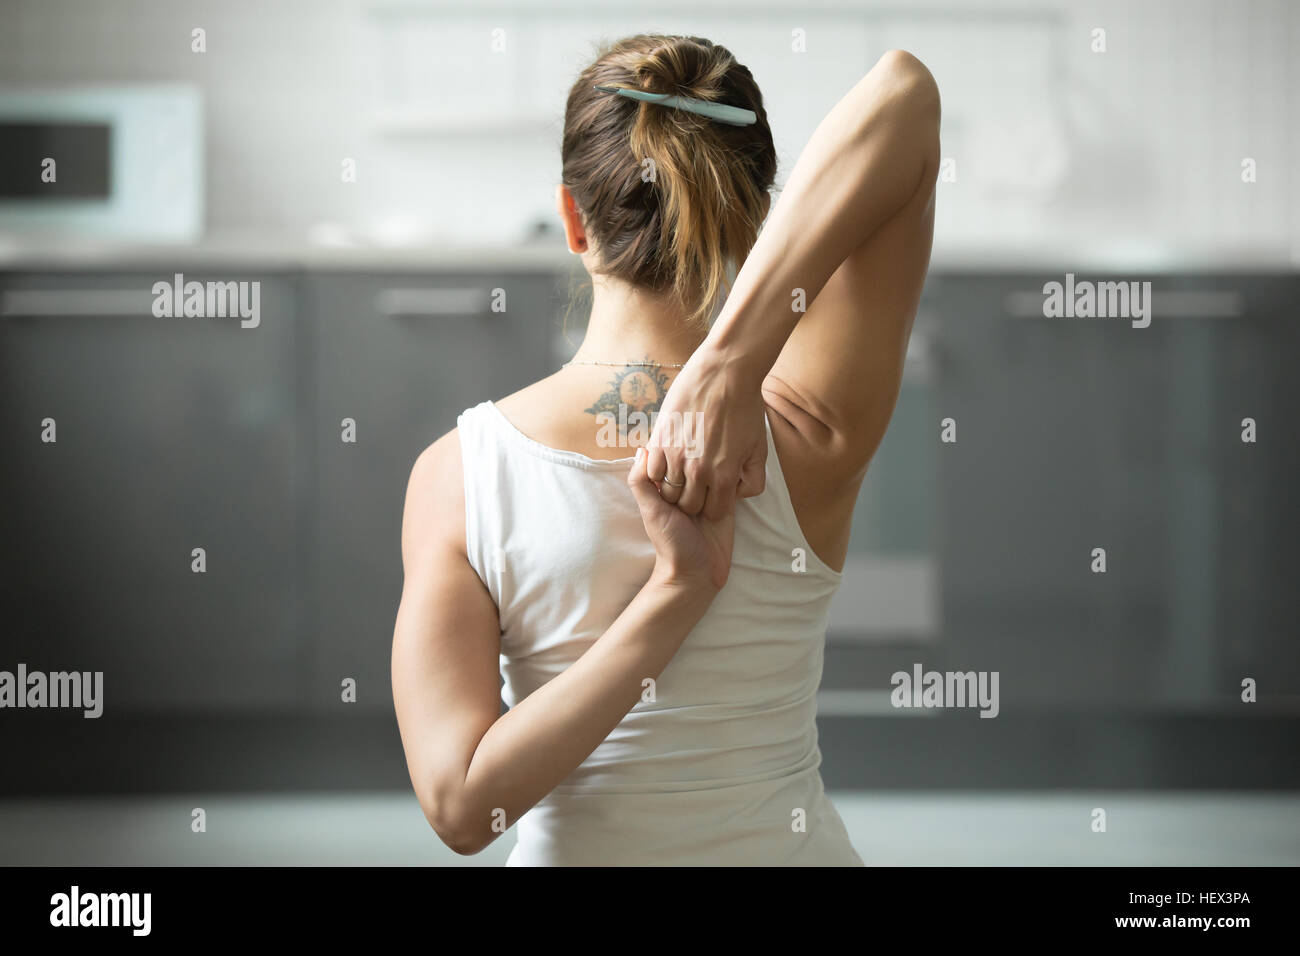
(722, 767)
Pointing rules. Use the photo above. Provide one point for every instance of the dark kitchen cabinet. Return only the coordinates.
(177, 433)
(181, 433)
(1075, 434)
(172, 434)
(400, 356)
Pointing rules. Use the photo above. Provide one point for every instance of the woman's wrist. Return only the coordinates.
(753, 326)
(690, 585)
(728, 358)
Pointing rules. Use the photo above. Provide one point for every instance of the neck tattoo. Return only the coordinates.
(633, 397)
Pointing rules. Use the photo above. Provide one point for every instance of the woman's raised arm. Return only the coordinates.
(818, 318)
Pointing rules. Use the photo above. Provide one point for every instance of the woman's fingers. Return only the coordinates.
(691, 500)
(753, 477)
(666, 465)
(670, 489)
(700, 490)
(656, 465)
(643, 489)
(665, 450)
(695, 482)
(696, 489)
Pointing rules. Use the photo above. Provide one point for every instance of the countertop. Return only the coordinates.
(277, 254)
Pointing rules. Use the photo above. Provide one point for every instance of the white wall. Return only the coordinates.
(1131, 154)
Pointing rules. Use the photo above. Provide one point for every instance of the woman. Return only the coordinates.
(659, 619)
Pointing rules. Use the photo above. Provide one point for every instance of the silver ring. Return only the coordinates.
(674, 484)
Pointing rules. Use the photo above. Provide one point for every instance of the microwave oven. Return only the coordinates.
(102, 163)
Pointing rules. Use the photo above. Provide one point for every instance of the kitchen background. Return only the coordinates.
(379, 166)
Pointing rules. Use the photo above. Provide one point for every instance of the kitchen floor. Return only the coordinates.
(894, 829)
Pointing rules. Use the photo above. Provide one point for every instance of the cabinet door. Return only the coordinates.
(400, 357)
(171, 434)
(1258, 524)
(1075, 434)
(1062, 446)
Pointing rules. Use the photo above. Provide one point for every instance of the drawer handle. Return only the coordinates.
(1166, 304)
(434, 303)
(69, 303)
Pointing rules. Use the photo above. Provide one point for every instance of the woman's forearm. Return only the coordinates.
(546, 736)
(865, 160)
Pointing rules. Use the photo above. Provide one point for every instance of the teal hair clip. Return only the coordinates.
(731, 115)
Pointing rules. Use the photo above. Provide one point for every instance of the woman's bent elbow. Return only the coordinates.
(465, 844)
(456, 829)
(911, 78)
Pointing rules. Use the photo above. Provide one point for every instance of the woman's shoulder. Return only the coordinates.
(442, 460)
(435, 492)
(435, 496)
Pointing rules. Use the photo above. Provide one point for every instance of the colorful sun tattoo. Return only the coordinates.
(632, 399)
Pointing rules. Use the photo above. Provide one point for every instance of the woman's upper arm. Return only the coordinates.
(837, 378)
(446, 688)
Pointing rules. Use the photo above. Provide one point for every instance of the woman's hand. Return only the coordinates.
(709, 442)
(694, 551)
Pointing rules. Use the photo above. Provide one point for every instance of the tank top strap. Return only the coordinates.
(481, 461)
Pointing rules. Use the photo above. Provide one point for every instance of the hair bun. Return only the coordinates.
(683, 66)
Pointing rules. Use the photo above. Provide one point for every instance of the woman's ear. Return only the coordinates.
(574, 234)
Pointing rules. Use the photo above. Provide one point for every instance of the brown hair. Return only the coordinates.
(679, 224)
